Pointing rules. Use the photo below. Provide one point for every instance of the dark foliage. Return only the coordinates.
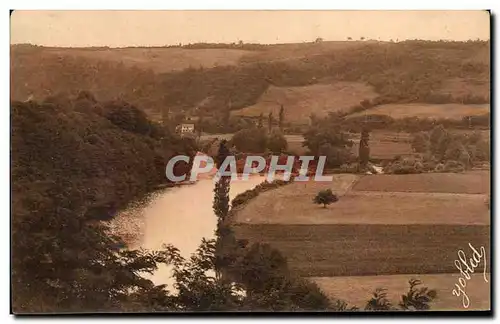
(328, 140)
(325, 197)
(69, 168)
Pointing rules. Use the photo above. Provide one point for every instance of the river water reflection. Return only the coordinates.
(182, 216)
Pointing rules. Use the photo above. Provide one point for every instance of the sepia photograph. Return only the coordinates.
(250, 161)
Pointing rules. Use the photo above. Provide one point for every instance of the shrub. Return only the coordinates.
(453, 166)
(439, 167)
(404, 166)
(349, 168)
(244, 197)
(420, 142)
(417, 298)
(276, 142)
(404, 169)
(429, 165)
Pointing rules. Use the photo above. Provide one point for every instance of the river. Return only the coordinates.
(180, 216)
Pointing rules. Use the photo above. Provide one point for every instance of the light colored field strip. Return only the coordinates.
(358, 290)
(409, 195)
(354, 207)
(471, 182)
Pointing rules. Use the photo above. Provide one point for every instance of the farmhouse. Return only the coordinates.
(185, 128)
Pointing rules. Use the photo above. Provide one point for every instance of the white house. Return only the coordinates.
(185, 128)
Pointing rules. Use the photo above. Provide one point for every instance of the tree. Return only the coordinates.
(199, 282)
(252, 140)
(261, 120)
(420, 142)
(86, 95)
(281, 117)
(454, 150)
(364, 149)
(221, 210)
(276, 142)
(439, 139)
(128, 117)
(417, 298)
(325, 140)
(325, 197)
(270, 120)
(414, 299)
(199, 126)
(379, 301)
(313, 119)
(79, 162)
(225, 119)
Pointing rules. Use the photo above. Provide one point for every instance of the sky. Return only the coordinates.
(159, 28)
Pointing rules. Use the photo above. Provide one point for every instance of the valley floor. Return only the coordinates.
(383, 231)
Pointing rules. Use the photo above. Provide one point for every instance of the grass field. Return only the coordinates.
(159, 60)
(301, 102)
(474, 182)
(358, 290)
(285, 52)
(449, 111)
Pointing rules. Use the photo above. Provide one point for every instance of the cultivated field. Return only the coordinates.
(385, 144)
(329, 250)
(473, 182)
(358, 290)
(449, 111)
(384, 149)
(382, 225)
(301, 102)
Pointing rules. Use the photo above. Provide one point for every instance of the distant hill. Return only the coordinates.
(215, 77)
